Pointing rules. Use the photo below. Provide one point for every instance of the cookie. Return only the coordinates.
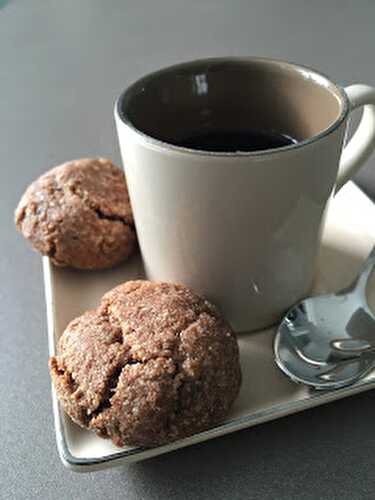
(79, 215)
(152, 364)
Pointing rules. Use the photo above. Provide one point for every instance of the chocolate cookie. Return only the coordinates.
(79, 215)
(152, 364)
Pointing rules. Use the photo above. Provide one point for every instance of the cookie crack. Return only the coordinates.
(113, 217)
(109, 391)
(192, 323)
(111, 387)
(98, 211)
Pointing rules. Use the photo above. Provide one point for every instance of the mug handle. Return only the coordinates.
(362, 143)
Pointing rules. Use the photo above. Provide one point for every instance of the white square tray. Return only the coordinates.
(266, 393)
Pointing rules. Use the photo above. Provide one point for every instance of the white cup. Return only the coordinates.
(241, 228)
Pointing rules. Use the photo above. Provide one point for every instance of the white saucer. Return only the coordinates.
(266, 393)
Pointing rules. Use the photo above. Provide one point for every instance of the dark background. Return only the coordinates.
(62, 64)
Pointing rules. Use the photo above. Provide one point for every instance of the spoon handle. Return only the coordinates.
(366, 270)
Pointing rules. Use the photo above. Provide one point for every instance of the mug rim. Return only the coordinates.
(161, 145)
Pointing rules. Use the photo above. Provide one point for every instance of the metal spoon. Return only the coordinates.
(313, 337)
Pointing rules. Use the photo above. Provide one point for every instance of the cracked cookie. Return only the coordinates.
(152, 364)
(79, 214)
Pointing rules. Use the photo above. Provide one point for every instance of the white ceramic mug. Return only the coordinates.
(242, 228)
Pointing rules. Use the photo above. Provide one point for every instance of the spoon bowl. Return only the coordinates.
(327, 341)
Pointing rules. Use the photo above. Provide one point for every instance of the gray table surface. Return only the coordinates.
(62, 64)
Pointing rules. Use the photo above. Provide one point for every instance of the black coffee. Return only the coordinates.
(235, 140)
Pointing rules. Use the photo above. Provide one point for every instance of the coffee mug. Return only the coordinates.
(241, 228)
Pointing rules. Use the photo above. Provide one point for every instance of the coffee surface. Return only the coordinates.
(235, 140)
